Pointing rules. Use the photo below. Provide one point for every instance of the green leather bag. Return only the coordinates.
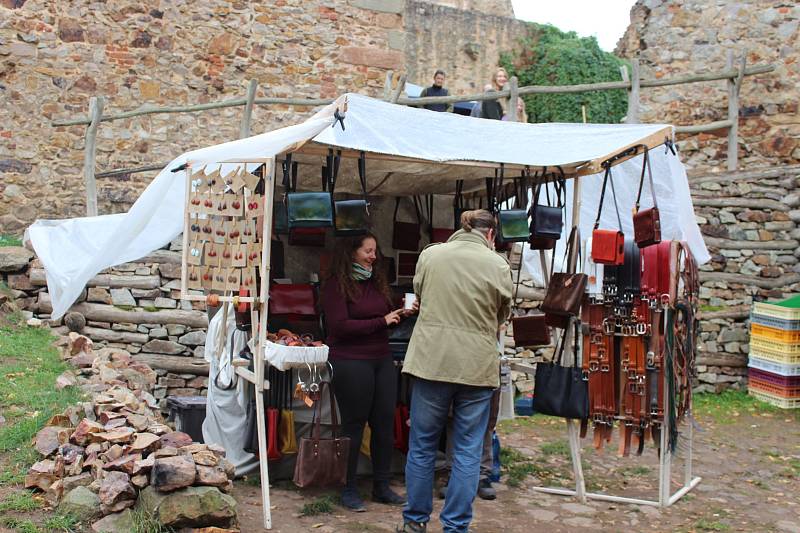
(306, 209)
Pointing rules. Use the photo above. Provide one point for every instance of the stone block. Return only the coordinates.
(14, 258)
(158, 333)
(176, 329)
(146, 293)
(122, 297)
(194, 338)
(165, 303)
(368, 56)
(397, 40)
(165, 347)
(382, 6)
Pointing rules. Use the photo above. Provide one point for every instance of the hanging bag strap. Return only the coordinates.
(646, 165)
(316, 421)
(606, 178)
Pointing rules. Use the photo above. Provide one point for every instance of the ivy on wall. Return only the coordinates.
(552, 57)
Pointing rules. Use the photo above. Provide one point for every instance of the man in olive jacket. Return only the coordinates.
(464, 292)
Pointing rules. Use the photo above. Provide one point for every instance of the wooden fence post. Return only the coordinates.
(399, 89)
(96, 104)
(632, 117)
(512, 99)
(387, 85)
(734, 85)
(244, 128)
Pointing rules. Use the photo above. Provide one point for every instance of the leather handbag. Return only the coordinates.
(322, 462)
(608, 245)
(529, 330)
(292, 299)
(565, 290)
(406, 234)
(401, 429)
(542, 243)
(547, 220)
(512, 224)
(561, 390)
(647, 222)
(307, 209)
(273, 450)
(352, 216)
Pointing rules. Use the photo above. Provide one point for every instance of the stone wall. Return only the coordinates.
(55, 55)
(678, 37)
(465, 44)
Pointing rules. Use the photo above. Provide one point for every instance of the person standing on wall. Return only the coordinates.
(357, 303)
(495, 109)
(437, 89)
(464, 292)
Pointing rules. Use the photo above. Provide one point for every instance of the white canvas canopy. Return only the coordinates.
(409, 151)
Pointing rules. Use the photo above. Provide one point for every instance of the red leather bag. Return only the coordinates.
(608, 246)
(292, 299)
(273, 450)
(401, 429)
(647, 222)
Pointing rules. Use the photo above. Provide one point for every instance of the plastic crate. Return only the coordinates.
(775, 357)
(772, 322)
(777, 401)
(775, 368)
(783, 348)
(188, 413)
(791, 382)
(787, 309)
(774, 334)
(775, 390)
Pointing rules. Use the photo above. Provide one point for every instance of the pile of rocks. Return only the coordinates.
(105, 456)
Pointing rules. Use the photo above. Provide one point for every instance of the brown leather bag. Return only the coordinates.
(565, 291)
(529, 330)
(322, 462)
(647, 222)
(608, 246)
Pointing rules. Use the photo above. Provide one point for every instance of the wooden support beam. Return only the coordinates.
(174, 363)
(733, 313)
(511, 113)
(387, 85)
(109, 313)
(96, 104)
(757, 174)
(763, 283)
(244, 127)
(741, 203)
(114, 281)
(734, 86)
(632, 116)
(700, 128)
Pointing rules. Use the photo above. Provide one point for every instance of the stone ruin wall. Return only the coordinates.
(55, 55)
(678, 37)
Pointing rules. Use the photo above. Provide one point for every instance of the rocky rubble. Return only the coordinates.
(101, 457)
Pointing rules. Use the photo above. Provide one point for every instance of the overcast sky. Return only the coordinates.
(605, 19)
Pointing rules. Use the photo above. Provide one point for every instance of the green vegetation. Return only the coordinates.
(144, 521)
(711, 525)
(19, 501)
(29, 365)
(726, 407)
(9, 240)
(517, 467)
(322, 505)
(634, 470)
(552, 57)
(559, 447)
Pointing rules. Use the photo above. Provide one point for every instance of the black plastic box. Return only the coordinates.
(188, 413)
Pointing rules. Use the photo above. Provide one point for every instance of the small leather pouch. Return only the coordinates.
(530, 330)
(647, 222)
(608, 246)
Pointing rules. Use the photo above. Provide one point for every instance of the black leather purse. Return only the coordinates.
(561, 390)
(352, 216)
(547, 221)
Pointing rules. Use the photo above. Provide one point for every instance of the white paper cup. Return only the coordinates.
(410, 299)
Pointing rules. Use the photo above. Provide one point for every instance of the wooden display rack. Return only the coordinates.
(258, 317)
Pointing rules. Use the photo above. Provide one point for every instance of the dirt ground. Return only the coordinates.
(749, 461)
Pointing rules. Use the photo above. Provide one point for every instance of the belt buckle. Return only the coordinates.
(609, 326)
(605, 367)
(652, 302)
(665, 301)
(641, 328)
(596, 338)
(594, 366)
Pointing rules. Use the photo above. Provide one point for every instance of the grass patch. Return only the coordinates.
(517, 467)
(10, 240)
(19, 501)
(728, 406)
(711, 308)
(61, 522)
(635, 470)
(555, 448)
(711, 525)
(145, 521)
(29, 365)
(322, 505)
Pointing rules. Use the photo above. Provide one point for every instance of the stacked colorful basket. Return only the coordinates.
(775, 352)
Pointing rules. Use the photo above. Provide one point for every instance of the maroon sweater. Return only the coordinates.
(356, 330)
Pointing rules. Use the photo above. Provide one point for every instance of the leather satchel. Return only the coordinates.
(565, 291)
(322, 462)
(547, 220)
(352, 216)
(647, 222)
(296, 299)
(608, 246)
(406, 234)
(529, 330)
(561, 390)
(512, 224)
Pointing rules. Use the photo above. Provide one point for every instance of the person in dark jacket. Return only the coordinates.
(357, 303)
(437, 89)
(495, 109)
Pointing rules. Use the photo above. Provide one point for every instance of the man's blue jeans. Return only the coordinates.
(430, 404)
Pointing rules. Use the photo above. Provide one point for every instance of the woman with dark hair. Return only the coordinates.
(357, 303)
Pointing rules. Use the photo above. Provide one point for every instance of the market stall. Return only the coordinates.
(376, 152)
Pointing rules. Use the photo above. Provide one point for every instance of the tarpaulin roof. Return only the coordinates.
(409, 151)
